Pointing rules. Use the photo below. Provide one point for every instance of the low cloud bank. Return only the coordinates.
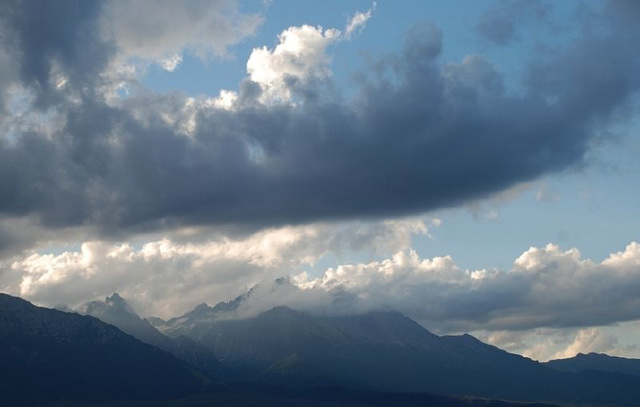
(546, 287)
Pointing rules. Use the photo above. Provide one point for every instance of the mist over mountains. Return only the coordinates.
(379, 350)
(116, 311)
(281, 356)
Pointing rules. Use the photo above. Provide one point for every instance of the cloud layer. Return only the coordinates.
(546, 287)
(168, 277)
(286, 147)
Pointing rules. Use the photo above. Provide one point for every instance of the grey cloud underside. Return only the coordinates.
(39, 34)
(510, 303)
(501, 23)
(435, 135)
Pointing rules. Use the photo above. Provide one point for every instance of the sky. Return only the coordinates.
(470, 164)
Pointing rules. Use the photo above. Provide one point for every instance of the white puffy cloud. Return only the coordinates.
(167, 277)
(298, 65)
(298, 60)
(627, 261)
(546, 288)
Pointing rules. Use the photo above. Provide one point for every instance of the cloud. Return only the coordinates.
(160, 30)
(429, 134)
(78, 43)
(358, 21)
(298, 60)
(586, 341)
(54, 42)
(545, 344)
(299, 64)
(545, 288)
(501, 23)
(267, 180)
(171, 64)
(168, 277)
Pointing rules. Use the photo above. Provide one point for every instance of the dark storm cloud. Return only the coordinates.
(44, 35)
(431, 135)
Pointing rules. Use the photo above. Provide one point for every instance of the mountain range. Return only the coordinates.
(378, 355)
(116, 311)
(385, 350)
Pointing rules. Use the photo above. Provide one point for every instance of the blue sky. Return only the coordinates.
(472, 164)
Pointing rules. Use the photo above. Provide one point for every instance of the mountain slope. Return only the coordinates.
(48, 354)
(116, 311)
(387, 351)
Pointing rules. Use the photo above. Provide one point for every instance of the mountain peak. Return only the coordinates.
(282, 310)
(112, 305)
(203, 306)
(115, 299)
(201, 310)
(230, 306)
